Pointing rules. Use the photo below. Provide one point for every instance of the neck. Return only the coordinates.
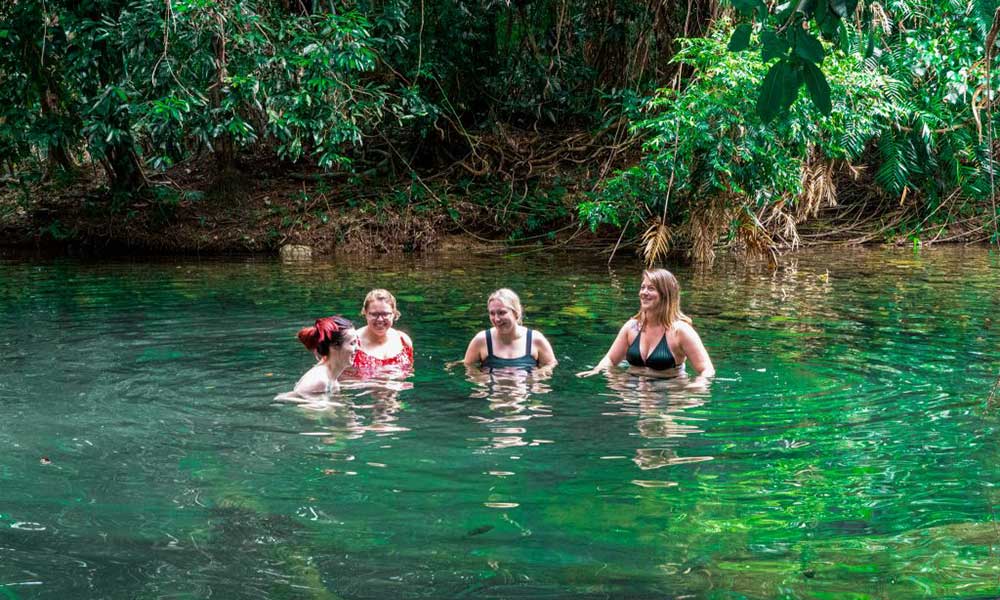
(334, 369)
(650, 318)
(508, 336)
(376, 336)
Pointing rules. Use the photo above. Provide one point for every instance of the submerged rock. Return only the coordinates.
(295, 252)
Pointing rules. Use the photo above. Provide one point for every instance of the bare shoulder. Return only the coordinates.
(631, 325)
(406, 338)
(685, 330)
(538, 337)
(313, 381)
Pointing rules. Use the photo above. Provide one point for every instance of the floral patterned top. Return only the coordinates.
(367, 365)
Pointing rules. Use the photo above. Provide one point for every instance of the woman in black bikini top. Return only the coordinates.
(659, 337)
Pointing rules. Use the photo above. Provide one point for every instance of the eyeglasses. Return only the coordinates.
(380, 315)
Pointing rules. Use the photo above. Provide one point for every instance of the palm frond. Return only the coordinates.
(819, 188)
(656, 242)
(753, 240)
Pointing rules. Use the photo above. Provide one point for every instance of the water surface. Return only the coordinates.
(846, 449)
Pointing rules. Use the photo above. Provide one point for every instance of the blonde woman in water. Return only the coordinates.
(508, 344)
(659, 339)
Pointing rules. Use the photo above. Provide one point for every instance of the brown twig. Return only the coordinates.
(993, 393)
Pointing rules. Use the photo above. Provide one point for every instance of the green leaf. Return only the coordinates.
(745, 7)
(839, 7)
(821, 12)
(772, 91)
(809, 48)
(772, 46)
(819, 89)
(830, 28)
(793, 81)
(872, 39)
(741, 38)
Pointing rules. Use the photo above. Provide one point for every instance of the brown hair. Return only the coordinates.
(669, 308)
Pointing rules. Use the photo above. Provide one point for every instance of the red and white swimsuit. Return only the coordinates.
(367, 365)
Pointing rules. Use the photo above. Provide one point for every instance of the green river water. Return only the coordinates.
(847, 449)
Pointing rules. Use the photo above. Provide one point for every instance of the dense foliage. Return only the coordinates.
(130, 82)
(915, 110)
(902, 91)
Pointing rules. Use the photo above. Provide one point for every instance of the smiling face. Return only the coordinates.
(380, 316)
(344, 354)
(649, 296)
(501, 316)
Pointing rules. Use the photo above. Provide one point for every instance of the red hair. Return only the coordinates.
(328, 331)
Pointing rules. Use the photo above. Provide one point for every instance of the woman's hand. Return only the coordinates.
(590, 372)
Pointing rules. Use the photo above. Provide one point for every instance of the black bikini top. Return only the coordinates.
(659, 358)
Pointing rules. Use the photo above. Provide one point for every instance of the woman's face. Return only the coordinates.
(649, 297)
(347, 348)
(379, 316)
(502, 317)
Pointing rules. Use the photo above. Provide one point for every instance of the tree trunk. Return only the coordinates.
(123, 169)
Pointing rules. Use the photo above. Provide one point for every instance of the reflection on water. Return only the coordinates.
(847, 449)
(512, 396)
(369, 406)
(658, 406)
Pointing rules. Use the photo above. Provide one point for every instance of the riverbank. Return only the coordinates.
(262, 207)
(259, 210)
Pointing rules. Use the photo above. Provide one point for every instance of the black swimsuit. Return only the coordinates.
(521, 362)
(659, 358)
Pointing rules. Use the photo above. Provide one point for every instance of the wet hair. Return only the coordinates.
(384, 296)
(327, 332)
(669, 308)
(509, 299)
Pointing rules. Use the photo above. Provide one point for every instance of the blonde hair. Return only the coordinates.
(669, 308)
(509, 299)
(384, 296)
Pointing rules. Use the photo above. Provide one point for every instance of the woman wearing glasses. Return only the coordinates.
(383, 350)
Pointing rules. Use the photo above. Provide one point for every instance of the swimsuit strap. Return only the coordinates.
(489, 344)
(527, 345)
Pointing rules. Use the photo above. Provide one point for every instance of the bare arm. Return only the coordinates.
(546, 357)
(405, 339)
(615, 354)
(474, 353)
(696, 353)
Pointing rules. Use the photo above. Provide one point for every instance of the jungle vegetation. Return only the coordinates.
(693, 126)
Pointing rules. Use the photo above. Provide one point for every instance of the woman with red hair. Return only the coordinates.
(334, 341)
